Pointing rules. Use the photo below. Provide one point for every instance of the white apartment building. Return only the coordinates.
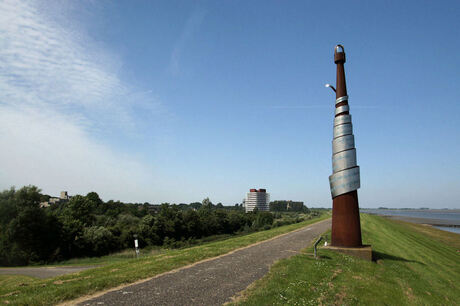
(257, 198)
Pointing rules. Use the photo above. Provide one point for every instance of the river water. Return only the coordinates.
(432, 216)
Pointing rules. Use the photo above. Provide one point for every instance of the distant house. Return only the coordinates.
(287, 205)
(64, 197)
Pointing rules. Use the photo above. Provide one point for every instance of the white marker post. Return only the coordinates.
(136, 245)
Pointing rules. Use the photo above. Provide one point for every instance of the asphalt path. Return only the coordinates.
(44, 272)
(215, 281)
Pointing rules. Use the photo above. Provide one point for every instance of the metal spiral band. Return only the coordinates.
(341, 109)
(341, 99)
(344, 181)
(343, 129)
(344, 160)
(343, 143)
(345, 171)
(342, 119)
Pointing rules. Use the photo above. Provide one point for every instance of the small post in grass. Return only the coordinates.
(136, 245)
(316, 244)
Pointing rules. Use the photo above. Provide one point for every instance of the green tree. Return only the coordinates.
(206, 204)
(98, 241)
(127, 225)
(195, 205)
(27, 196)
(236, 221)
(8, 209)
(35, 233)
(192, 223)
(95, 203)
(71, 242)
(147, 232)
(263, 218)
(81, 208)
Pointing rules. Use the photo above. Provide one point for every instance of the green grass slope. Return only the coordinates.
(415, 265)
(22, 290)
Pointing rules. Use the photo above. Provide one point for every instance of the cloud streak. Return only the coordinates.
(191, 26)
(44, 149)
(50, 64)
(57, 88)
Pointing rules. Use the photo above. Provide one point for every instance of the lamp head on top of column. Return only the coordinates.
(339, 54)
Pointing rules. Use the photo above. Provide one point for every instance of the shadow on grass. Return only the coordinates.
(379, 255)
(311, 256)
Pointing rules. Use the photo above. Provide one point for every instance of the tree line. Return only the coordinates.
(88, 226)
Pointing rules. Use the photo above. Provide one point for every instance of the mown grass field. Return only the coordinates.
(30, 291)
(415, 265)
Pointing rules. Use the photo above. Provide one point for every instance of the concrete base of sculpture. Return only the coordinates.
(364, 252)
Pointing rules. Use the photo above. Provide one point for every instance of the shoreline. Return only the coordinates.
(428, 221)
(442, 210)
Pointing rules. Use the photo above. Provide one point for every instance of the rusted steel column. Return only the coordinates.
(345, 180)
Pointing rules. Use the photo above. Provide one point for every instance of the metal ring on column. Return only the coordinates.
(343, 129)
(344, 181)
(341, 109)
(343, 143)
(342, 119)
(344, 160)
(341, 99)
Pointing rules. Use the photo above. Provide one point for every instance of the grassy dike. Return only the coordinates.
(415, 265)
(24, 290)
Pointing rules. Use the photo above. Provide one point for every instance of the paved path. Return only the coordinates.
(213, 282)
(44, 272)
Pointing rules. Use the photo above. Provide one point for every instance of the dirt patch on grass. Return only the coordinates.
(409, 293)
(322, 299)
(336, 272)
(340, 297)
(60, 282)
(10, 293)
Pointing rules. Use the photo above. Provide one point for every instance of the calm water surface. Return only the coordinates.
(449, 229)
(453, 215)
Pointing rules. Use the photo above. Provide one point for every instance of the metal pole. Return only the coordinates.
(316, 244)
(345, 180)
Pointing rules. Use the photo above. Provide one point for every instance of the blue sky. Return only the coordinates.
(174, 101)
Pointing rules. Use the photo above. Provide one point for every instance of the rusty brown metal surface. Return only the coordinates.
(346, 227)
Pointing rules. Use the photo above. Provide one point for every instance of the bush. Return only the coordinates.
(98, 241)
(262, 219)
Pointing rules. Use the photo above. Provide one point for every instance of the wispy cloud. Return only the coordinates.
(57, 87)
(43, 148)
(191, 26)
(51, 65)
